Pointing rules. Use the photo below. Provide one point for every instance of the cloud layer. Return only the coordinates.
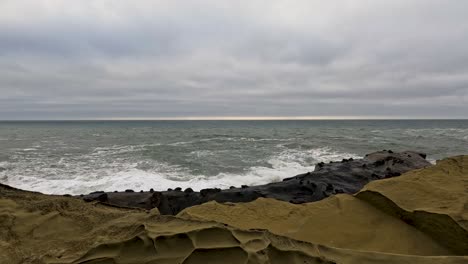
(163, 59)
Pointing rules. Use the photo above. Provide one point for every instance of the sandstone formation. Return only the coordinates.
(423, 212)
(419, 217)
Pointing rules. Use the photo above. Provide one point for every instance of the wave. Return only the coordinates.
(70, 175)
(457, 133)
(236, 139)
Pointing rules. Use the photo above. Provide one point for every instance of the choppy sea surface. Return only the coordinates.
(83, 156)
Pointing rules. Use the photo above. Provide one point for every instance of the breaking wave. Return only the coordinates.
(75, 175)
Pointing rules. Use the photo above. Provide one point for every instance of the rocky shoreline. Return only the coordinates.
(347, 176)
(419, 217)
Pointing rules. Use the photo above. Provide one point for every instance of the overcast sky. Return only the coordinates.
(175, 59)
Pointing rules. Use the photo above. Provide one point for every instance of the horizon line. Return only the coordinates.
(244, 118)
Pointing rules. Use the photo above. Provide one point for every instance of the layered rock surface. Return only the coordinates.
(339, 221)
(419, 217)
(423, 212)
(433, 200)
(38, 228)
(347, 176)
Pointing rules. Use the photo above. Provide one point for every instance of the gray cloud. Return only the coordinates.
(211, 58)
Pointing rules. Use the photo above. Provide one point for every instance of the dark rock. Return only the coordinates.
(178, 189)
(379, 162)
(232, 187)
(169, 190)
(141, 191)
(151, 190)
(129, 191)
(102, 198)
(206, 192)
(332, 178)
(188, 190)
(97, 196)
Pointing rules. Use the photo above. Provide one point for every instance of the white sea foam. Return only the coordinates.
(247, 139)
(203, 153)
(75, 177)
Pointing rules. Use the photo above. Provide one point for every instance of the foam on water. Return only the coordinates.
(78, 177)
(82, 157)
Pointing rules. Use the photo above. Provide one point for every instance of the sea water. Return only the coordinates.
(83, 156)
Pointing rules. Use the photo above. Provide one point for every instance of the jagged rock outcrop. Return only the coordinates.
(433, 200)
(339, 221)
(37, 228)
(347, 176)
(422, 212)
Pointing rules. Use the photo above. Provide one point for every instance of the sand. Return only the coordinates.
(419, 217)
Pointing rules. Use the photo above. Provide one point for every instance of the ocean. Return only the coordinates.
(74, 157)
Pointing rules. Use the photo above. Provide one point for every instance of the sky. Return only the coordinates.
(150, 59)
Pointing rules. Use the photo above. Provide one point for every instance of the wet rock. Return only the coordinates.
(100, 197)
(206, 192)
(332, 178)
(319, 166)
